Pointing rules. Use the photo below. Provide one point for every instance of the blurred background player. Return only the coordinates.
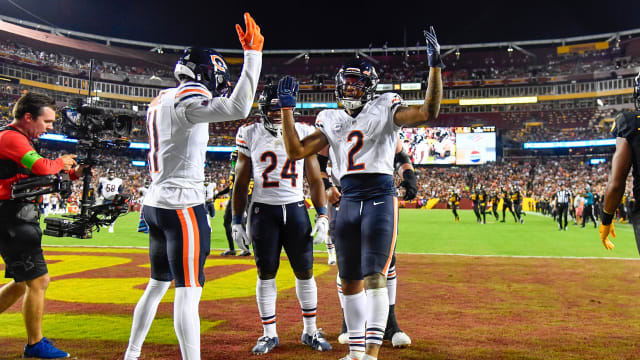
(363, 138)
(627, 132)
(516, 200)
(494, 203)
(475, 200)
(278, 216)
(209, 196)
(142, 191)
(226, 219)
(482, 203)
(454, 202)
(179, 233)
(108, 188)
(507, 204)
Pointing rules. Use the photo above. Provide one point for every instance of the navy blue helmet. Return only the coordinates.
(356, 84)
(268, 101)
(207, 67)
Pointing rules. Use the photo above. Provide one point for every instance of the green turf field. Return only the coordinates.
(434, 231)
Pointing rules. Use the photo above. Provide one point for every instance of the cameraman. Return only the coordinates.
(20, 234)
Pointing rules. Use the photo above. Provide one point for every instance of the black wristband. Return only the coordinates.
(606, 218)
(327, 183)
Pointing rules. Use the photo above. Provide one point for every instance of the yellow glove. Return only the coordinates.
(605, 230)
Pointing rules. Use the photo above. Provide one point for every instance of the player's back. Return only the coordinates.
(177, 149)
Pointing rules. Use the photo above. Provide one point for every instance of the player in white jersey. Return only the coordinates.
(179, 232)
(142, 191)
(108, 188)
(210, 196)
(363, 137)
(278, 217)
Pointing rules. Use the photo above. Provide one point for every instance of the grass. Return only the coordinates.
(433, 231)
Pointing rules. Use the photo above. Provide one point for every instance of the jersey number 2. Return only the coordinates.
(357, 147)
(288, 170)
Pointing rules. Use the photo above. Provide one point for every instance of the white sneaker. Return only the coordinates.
(343, 338)
(400, 340)
(332, 256)
(110, 229)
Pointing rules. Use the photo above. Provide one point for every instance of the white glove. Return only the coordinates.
(320, 230)
(240, 237)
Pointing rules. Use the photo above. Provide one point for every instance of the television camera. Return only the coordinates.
(91, 126)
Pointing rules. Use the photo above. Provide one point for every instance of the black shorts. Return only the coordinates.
(179, 243)
(273, 227)
(20, 246)
(365, 236)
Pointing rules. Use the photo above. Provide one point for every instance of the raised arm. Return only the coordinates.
(414, 116)
(296, 149)
(238, 105)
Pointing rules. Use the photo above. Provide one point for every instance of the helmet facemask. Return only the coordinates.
(356, 85)
(269, 109)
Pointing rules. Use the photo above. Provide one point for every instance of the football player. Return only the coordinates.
(507, 204)
(626, 129)
(475, 201)
(404, 168)
(277, 216)
(494, 203)
(454, 202)
(179, 232)
(362, 139)
(142, 191)
(482, 202)
(516, 199)
(226, 219)
(108, 188)
(209, 196)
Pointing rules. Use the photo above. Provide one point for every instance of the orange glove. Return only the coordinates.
(252, 39)
(605, 230)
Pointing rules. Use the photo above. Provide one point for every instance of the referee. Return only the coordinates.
(563, 199)
(627, 133)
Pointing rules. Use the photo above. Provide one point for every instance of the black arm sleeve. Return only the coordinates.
(400, 159)
(323, 161)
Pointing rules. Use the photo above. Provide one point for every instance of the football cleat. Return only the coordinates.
(316, 341)
(343, 338)
(245, 253)
(265, 344)
(44, 349)
(228, 253)
(400, 340)
(332, 256)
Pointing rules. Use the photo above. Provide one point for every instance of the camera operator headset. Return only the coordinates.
(20, 234)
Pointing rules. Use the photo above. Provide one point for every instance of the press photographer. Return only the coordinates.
(20, 234)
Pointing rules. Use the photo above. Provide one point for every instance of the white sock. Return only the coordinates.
(377, 312)
(143, 316)
(368, 357)
(266, 294)
(186, 321)
(354, 316)
(391, 285)
(307, 292)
